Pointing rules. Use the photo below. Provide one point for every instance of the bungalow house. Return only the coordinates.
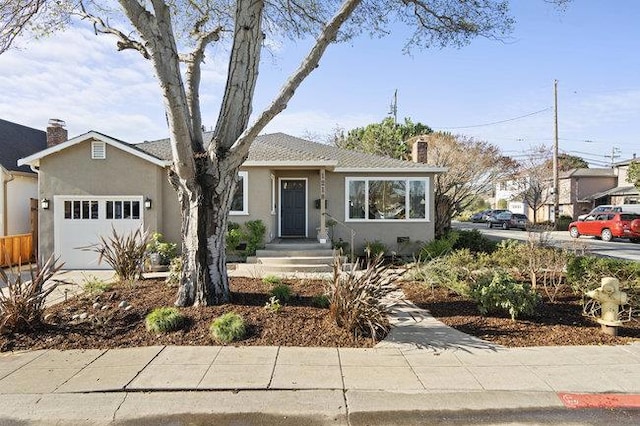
(19, 184)
(92, 182)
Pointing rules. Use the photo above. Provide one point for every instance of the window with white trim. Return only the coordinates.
(81, 209)
(240, 202)
(98, 150)
(385, 199)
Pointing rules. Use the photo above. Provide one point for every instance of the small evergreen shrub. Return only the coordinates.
(164, 320)
(475, 241)
(234, 236)
(256, 231)
(228, 328)
(321, 301)
(439, 247)
(563, 223)
(175, 272)
(282, 292)
(164, 249)
(373, 249)
(93, 285)
(272, 280)
(585, 272)
(273, 305)
(502, 293)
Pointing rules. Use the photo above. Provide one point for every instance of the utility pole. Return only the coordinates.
(614, 154)
(394, 108)
(556, 186)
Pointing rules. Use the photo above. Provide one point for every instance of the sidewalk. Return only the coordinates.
(422, 366)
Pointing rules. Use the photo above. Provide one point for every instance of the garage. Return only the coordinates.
(80, 220)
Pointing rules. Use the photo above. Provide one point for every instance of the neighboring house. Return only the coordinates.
(510, 190)
(621, 192)
(575, 188)
(19, 183)
(93, 182)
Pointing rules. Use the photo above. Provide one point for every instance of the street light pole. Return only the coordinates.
(556, 187)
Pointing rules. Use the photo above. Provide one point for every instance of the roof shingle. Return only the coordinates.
(18, 141)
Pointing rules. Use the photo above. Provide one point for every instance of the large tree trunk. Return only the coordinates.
(205, 206)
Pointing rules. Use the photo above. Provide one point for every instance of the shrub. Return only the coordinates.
(234, 236)
(439, 247)
(256, 231)
(282, 292)
(373, 249)
(164, 320)
(124, 253)
(321, 301)
(356, 298)
(503, 293)
(475, 241)
(511, 254)
(271, 280)
(273, 305)
(585, 272)
(563, 223)
(164, 249)
(94, 285)
(228, 328)
(22, 303)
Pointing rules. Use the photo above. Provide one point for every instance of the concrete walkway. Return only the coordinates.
(422, 366)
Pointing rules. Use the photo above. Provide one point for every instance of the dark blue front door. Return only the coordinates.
(293, 211)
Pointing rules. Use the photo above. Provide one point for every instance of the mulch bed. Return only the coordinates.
(559, 323)
(299, 323)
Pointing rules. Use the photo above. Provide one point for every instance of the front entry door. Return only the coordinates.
(293, 214)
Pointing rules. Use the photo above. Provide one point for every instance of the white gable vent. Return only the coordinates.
(98, 150)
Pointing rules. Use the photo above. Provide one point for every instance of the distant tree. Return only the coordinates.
(473, 168)
(385, 138)
(567, 162)
(534, 179)
(633, 175)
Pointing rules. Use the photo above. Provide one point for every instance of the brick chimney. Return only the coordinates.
(419, 150)
(56, 133)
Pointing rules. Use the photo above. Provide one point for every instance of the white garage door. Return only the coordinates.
(80, 220)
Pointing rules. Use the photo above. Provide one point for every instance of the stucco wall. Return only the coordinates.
(73, 172)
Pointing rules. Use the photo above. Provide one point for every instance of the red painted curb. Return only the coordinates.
(600, 400)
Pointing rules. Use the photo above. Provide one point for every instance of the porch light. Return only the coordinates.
(147, 203)
(44, 203)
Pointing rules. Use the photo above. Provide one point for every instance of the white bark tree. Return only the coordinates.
(205, 176)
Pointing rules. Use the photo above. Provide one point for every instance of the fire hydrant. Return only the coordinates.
(610, 298)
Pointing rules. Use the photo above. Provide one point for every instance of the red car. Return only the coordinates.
(608, 225)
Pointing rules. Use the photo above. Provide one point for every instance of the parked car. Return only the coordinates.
(608, 225)
(492, 212)
(479, 217)
(508, 220)
(600, 209)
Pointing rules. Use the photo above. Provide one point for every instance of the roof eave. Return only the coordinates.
(34, 159)
(391, 169)
(307, 164)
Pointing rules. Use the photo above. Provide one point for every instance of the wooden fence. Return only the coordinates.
(16, 249)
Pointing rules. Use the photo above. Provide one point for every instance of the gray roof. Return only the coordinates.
(17, 141)
(279, 147)
(584, 172)
(617, 191)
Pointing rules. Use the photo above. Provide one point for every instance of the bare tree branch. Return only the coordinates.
(310, 63)
(14, 17)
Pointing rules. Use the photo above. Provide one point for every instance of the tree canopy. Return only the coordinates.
(385, 138)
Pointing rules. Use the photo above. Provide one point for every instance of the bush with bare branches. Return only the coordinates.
(356, 297)
(22, 303)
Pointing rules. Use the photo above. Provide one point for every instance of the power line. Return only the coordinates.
(496, 122)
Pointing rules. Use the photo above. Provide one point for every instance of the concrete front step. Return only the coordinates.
(297, 246)
(261, 269)
(295, 253)
(297, 260)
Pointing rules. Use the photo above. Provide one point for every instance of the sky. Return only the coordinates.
(498, 91)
